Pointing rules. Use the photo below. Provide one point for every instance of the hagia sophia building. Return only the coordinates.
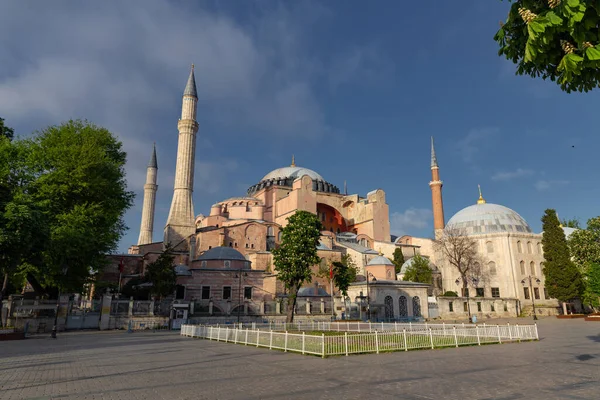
(239, 233)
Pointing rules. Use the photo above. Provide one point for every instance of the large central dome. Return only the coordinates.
(485, 218)
(285, 177)
(292, 172)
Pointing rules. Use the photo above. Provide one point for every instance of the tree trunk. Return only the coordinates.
(4, 286)
(291, 304)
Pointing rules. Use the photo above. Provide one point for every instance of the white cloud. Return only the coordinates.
(542, 184)
(510, 175)
(411, 219)
(474, 141)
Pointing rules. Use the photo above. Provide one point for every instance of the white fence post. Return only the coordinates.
(346, 342)
(509, 331)
(395, 326)
(478, 339)
(376, 342)
(518, 333)
(285, 345)
(537, 337)
(303, 342)
(246, 341)
(431, 337)
(226, 334)
(499, 338)
(323, 345)
(405, 342)
(444, 326)
(455, 337)
(271, 341)
(370, 330)
(257, 336)
(235, 335)
(381, 326)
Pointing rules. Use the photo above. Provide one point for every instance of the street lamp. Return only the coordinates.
(368, 299)
(239, 275)
(538, 281)
(465, 280)
(55, 326)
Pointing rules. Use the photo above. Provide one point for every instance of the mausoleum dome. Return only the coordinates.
(222, 253)
(380, 260)
(483, 218)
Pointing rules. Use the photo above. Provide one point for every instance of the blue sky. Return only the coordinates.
(354, 91)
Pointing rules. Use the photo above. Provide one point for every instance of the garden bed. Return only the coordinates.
(593, 317)
(11, 334)
(570, 316)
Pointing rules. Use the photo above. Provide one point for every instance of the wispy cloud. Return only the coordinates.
(402, 223)
(543, 184)
(510, 175)
(474, 141)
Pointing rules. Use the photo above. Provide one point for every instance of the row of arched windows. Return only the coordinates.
(532, 268)
(402, 307)
(490, 247)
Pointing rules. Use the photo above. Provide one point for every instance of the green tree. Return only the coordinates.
(296, 254)
(418, 271)
(162, 274)
(584, 247)
(571, 223)
(344, 273)
(591, 294)
(398, 259)
(6, 131)
(563, 279)
(554, 39)
(23, 232)
(80, 187)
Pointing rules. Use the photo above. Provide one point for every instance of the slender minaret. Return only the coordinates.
(180, 223)
(436, 194)
(149, 201)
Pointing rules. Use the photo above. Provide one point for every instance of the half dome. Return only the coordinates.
(480, 219)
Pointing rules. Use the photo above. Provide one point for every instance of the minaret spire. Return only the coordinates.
(434, 163)
(481, 200)
(180, 223)
(150, 188)
(436, 194)
(293, 161)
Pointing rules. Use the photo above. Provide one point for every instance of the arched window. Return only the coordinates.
(539, 247)
(252, 246)
(402, 309)
(522, 265)
(490, 247)
(389, 274)
(246, 245)
(279, 236)
(270, 231)
(230, 244)
(532, 268)
(529, 248)
(389, 307)
(227, 264)
(203, 264)
(492, 266)
(416, 306)
(519, 247)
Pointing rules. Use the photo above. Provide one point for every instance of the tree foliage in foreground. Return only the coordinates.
(571, 223)
(398, 259)
(69, 186)
(161, 274)
(554, 39)
(584, 247)
(418, 271)
(6, 131)
(296, 254)
(344, 273)
(562, 278)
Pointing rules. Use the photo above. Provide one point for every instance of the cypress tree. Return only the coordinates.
(563, 279)
(398, 260)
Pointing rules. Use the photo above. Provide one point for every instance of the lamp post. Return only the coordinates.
(55, 326)
(465, 280)
(524, 282)
(368, 299)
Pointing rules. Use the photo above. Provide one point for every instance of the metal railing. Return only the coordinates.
(375, 341)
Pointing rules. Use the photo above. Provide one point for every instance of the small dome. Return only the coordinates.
(292, 172)
(380, 260)
(182, 270)
(222, 253)
(480, 219)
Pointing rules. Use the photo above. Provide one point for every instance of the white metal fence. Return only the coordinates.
(365, 341)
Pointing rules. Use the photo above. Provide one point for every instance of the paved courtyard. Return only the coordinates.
(564, 364)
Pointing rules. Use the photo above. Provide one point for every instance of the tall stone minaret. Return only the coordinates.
(436, 194)
(180, 223)
(149, 201)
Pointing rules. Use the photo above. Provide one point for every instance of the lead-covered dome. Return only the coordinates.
(292, 172)
(222, 253)
(485, 218)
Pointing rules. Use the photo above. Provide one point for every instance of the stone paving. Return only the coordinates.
(564, 364)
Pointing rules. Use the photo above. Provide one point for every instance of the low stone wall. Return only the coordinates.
(482, 307)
